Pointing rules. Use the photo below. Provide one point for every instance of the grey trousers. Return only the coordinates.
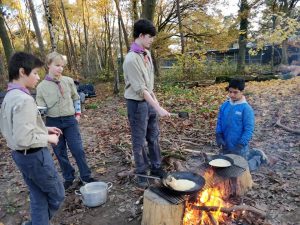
(143, 122)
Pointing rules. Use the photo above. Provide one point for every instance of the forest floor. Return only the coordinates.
(106, 136)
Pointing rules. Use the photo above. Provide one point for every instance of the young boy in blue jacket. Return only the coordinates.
(235, 126)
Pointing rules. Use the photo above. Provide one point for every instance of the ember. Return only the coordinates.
(211, 196)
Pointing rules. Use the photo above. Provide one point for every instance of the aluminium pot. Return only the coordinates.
(94, 194)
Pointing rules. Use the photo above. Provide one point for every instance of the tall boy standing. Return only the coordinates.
(27, 136)
(142, 105)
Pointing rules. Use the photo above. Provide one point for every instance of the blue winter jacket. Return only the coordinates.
(236, 124)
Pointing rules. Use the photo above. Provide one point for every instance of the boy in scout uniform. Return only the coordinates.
(27, 136)
(59, 94)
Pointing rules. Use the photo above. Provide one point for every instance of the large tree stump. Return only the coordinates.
(237, 186)
(158, 211)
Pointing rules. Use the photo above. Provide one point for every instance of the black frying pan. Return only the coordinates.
(199, 180)
(183, 115)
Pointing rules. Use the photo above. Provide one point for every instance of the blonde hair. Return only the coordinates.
(55, 56)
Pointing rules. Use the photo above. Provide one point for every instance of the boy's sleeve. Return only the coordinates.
(248, 126)
(74, 93)
(39, 97)
(24, 125)
(219, 121)
(135, 77)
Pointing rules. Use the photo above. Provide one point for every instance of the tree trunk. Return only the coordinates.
(69, 36)
(135, 15)
(50, 24)
(121, 49)
(123, 25)
(243, 14)
(284, 58)
(86, 40)
(36, 28)
(4, 36)
(159, 211)
(180, 26)
(148, 9)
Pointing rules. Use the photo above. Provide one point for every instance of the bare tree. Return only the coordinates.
(122, 25)
(69, 36)
(46, 4)
(36, 27)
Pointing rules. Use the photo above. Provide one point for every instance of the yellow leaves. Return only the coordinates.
(100, 170)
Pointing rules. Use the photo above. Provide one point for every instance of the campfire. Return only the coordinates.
(212, 205)
(209, 197)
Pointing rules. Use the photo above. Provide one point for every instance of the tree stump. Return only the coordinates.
(158, 211)
(239, 185)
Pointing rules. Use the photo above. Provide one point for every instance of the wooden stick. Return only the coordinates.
(212, 218)
(232, 209)
(285, 127)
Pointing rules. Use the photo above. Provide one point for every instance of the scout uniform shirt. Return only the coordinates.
(58, 104)
(139, 75)
(21, 123)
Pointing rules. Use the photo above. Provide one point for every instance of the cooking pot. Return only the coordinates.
(94, 194)
(197, 179)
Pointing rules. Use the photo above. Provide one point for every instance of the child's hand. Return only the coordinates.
(77, 117)
(162, 112)
(53, 139)
(54, 130)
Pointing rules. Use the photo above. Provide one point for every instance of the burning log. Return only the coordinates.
(231, 209)
(159, 211)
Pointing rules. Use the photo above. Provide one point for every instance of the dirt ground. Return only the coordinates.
(106, 138)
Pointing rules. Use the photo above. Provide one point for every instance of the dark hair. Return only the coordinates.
(237, 83)
(143, 26)
(22, 60)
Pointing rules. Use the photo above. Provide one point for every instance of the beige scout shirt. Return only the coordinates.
(21, 123)
(48, 95)
(139, 75)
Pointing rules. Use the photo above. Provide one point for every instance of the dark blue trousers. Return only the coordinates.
(71, 137)
(143, 122)
(46, 190)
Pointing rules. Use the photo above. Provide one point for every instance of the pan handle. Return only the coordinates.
(146, 176)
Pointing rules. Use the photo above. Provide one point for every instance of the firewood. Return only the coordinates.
(212, 218)
(232, 209)
(278, 123)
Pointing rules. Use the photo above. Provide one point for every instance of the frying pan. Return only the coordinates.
(213, 157)
(197, 179)
(183, 115)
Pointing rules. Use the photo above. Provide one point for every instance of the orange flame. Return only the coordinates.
(208, 197)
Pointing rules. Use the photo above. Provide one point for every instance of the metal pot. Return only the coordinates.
(94, 194)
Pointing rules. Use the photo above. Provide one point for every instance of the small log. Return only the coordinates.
(278, 123)
(232, 209)
(158, 211)
(212, 218)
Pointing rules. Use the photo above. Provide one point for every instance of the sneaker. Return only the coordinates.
(142, 182)
(68, 184)
(158, 172)
(89, 180)
(264, 157)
